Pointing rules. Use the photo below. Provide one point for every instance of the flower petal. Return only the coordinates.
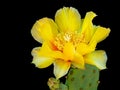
(68, 19)
(42, 62)
(68, 51)
(44, 29)
(97, 58)
(46, 51)
(100, 34)
(61, 68)
(83, 48)
(39, 60)
(35, 51)
(87, 26)
(78, 61)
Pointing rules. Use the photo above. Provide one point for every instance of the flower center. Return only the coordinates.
(63, 38)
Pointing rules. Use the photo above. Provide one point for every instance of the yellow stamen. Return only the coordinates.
(63, 38)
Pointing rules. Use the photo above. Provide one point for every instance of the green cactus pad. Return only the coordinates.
(63, 87)
(87, 79)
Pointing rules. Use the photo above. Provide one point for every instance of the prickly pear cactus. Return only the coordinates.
(78, 79)
(87, 79)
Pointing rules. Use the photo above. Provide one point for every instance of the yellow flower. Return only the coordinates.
(69, 40)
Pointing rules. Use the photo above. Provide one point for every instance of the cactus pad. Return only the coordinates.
(87, 79)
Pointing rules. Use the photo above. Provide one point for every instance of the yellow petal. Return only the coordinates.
(68, 51)
(68, 19)
(61, 68)
(44, 29)
(83, 48)
(97, 58)
(78, 61)
(46, 51)
(35, 51)
(39, 60)
(42, 62)
(100, 34)
(87, 26)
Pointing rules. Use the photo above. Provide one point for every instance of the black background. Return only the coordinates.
(19, 18)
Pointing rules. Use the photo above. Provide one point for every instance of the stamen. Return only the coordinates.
(77, 38)
(59, 42)
(67, 37)
(63, 38)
